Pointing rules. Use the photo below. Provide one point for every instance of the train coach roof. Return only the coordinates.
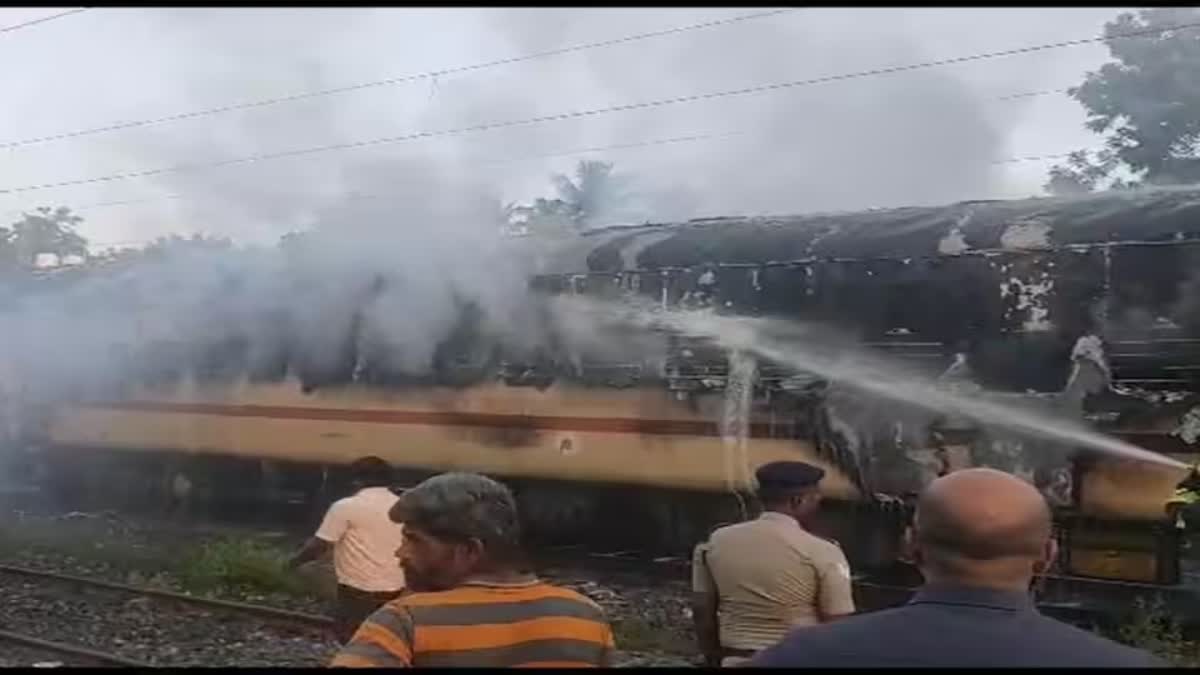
(1148, 215)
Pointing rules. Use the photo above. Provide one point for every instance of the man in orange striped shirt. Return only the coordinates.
(472, 605)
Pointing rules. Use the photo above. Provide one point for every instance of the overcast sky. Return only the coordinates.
(922, 137)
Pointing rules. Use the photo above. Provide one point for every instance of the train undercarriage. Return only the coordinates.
(1085, 587)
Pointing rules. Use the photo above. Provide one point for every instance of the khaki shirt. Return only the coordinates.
(770, 575)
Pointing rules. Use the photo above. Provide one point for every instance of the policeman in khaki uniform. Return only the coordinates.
(752, 582)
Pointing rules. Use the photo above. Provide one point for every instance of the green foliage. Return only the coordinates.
(595, 195)
(45, 231)
(1146, 102)
(238, 565)
(162, 247)
(1153, 629)
(197, 242)
(30, 544)
(9, 260)
(544, 216)
(1081, 173)
(234, 567)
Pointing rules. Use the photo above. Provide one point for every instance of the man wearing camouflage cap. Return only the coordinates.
(752, 582)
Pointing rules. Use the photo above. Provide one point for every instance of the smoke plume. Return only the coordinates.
(402, 249)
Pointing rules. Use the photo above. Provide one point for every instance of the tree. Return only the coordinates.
(544, 216)
(1146, 102)
(165, 247)
(595, 193)
(8, 250)
(174, 243)
(595, 196)
(47, 231)
(1080, 173)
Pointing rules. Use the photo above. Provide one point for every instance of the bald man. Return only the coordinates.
(979, 537)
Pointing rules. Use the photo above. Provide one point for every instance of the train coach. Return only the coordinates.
(1086, 306)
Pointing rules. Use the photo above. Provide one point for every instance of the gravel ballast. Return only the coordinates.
(157, 632)
(651, 619)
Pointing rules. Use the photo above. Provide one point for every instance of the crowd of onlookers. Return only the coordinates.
(435, 576)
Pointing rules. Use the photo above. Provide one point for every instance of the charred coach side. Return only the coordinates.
(1083, 306)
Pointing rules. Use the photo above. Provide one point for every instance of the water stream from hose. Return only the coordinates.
(866, 372)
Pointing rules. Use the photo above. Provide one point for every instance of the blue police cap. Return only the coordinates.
(788, 476)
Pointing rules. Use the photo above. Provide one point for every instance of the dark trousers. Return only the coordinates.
(354, 606)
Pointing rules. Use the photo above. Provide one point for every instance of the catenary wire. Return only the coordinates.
(565, 153)
(641, 36)
(434, 74)
(626, 107)
(44, 19)
(561, 153)
(1006, 97)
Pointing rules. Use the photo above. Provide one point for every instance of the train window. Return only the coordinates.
(786, 290)
(221, 360)
(1144, 281)
(466, 356)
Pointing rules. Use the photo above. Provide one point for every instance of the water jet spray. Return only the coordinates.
(860, 371)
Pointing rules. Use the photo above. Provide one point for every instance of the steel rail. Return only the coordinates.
(242, 607)
(73, 650)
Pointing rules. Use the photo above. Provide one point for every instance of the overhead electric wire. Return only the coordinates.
(592, 45)
(1032, 158)
(366, 195)
(564, 153)
(606, 148)
(44, 19)
(600, 111)
(561, 153)
(433, 74)
(1031, 94)
(487, 126)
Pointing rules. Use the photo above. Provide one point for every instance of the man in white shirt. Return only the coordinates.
(364, 542)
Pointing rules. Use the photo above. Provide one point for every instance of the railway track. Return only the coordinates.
(120, 625)
(262, 611)
(586, 565)
(555, 563)
(77, 656)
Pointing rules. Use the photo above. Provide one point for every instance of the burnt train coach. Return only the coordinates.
(1085, 306)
